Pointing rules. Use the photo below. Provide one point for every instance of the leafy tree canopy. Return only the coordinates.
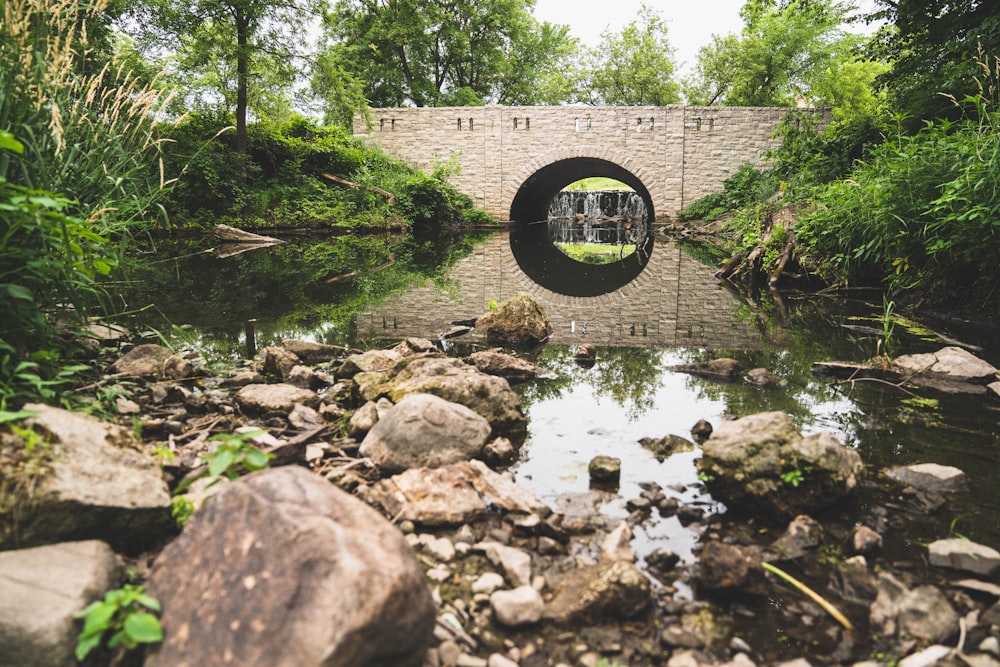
(786, 49)
(635, 66)
(441, 52)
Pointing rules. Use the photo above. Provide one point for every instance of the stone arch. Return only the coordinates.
(528, 191)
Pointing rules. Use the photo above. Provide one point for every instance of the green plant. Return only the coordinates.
(125, 612)
(796, 476)
(181, 509)
(235, 451)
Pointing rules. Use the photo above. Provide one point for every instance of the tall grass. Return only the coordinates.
(923, 213)
(79, 144)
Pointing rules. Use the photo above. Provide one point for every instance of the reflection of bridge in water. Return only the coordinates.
(674, 302)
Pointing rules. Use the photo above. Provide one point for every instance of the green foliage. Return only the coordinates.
(491, 51)
(744, 187)
(922, 213)
(635, 66)
(127, 613)
(235, 452)
(181, 509)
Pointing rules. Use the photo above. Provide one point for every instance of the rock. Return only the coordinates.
(618, 544)
(514, 562)
(728, 568)
(313, 353)
(441, 548)
(282, 568)
(424, 431)
(97, 487)
(303, 376)
(455, 381)
(854, 581)
(724, 369)
(701, 430)
(802, 537)
(152, 362)
(762, 462)
(930, 656)
(499, 452)
(42, 588)
(661, 561)
(487, 583)
(277, 399)
(605, 470)
(922, 613)
(865, 541)
(520, 321)
(304, 418)
(609, 591)
(930, 477)
(450, 495)
(500, 660)
(372, 361)
(665, 447)
(585, 355)
(518, 607)
(961, 554)
(363, 420)
(496, 362)
(279, 362)
(950, 363)
(994, 389)
(761, 377)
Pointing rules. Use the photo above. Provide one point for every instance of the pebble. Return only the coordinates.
(520, 606)
(487, 583)
(500, 660)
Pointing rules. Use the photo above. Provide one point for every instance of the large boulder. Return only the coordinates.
(762, 462)
(42, 588)
(520, 321)
(949, 363)
(424, 431)
(607, 591)
(281, 568)
(452, 380)
(96, 485)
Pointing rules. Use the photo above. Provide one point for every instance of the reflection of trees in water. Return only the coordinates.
(630, 376)
(602, 231)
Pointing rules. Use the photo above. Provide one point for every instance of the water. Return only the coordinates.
(656, 308)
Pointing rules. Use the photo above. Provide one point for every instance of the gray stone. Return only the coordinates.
(303, 376)
(424, 431)
(747, 464)
(368, 362)
(313, 353)
(761, 377)
(487, 583)
(98, 486)
(42, 588)
(951, 363)
(450, 495)
(923, 613)
(591, 593)
(520, 321)
(932, 477)
(932, 655)
(994, 389)
(802, 537)
(274, 398)
(497, 362)
(499, 452)
(605, 469)
(500, 660)
(617, 545)
(152, 362)
(865, 541)
(724, 369)
(363, 420)
(961, 554)
(279, 362)
(515, 563)
(854, 581)
(452, 380)
(281, 568)
(731, 568)
(520, 606)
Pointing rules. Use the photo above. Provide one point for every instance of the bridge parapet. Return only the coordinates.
(678, 153)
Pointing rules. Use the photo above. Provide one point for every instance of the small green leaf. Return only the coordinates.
(256, 459)
(221, 462)
(85, 645)
(144, 628)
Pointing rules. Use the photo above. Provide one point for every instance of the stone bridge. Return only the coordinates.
(514, 159)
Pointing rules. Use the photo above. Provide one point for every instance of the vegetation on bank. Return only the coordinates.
(917, 213)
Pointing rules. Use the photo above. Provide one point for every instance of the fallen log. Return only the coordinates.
(229, 234)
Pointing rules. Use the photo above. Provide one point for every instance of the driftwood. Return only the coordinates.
(748, 265)
(371, 188)
(229, 234)
(233, 248)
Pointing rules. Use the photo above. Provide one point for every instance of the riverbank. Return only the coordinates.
(509, 579)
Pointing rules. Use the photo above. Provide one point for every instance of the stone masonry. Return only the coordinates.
(679, 153)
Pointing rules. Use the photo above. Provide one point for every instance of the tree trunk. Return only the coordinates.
(242, 75)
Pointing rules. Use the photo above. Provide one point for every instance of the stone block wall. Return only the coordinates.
(679, 153)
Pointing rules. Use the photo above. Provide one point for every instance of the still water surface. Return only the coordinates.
(657, 307)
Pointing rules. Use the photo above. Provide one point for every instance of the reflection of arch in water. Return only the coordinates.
(547, 266)
(531, 203)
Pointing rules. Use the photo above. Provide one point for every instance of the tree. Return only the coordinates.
(933, 47)
(226, 43)
(783, 49)
(442, 52)
(635, 66)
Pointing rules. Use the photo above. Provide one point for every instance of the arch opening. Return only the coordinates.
(533, 198)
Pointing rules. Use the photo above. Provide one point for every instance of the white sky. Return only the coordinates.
(690, 23)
